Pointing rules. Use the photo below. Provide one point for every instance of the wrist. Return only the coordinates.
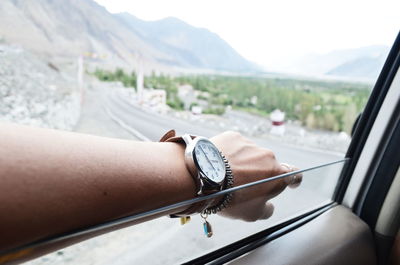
(208, 168)
(186, 187)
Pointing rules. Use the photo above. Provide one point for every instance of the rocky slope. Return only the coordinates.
(35, 93)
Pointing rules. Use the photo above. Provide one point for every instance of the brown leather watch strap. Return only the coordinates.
(198, 207)
(170, 136)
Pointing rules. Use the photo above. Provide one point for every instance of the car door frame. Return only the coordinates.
(369, 186)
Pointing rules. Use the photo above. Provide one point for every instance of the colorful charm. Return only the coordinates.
(185, 220)
(207, 229)
(206, 225)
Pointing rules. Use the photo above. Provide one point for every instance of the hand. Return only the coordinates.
(251, 163)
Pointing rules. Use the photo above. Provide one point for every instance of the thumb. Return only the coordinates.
(267, 211)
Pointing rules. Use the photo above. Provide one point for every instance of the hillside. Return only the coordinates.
(364, 67)
(82, 27)
(68, 28)
(36, 93)
(359, 63)
(190, 46)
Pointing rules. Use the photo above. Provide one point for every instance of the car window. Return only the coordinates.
(176, 243)
(288, 79)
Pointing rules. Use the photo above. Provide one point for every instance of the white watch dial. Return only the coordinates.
(210, 161)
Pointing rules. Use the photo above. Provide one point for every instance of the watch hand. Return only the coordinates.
(207, 158)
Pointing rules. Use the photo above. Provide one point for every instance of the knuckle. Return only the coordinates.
(269, 154)
(249, 146)
(233, 134)
(281, 170)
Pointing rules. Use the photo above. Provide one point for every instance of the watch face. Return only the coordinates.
(210, 161)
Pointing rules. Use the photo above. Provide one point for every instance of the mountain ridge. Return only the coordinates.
(76, 27)
(175, 36)
(363, 64)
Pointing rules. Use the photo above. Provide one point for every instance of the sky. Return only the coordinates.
(274, 32)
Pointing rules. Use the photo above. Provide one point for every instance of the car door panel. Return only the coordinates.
(335, 237)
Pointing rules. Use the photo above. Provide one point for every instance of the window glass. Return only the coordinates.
(175, 243)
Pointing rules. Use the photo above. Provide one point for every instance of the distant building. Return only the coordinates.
(155, 97)
(187, 94)
(139, 84)
(197, 110)
(253, 100)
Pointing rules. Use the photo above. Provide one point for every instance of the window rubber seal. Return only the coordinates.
(380, 174)
(241, 247)
(367, 119)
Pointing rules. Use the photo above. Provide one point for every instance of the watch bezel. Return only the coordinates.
(192, 164)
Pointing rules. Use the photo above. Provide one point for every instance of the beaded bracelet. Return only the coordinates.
(227, 197)
(222, 204)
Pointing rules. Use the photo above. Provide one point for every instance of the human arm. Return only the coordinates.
(53, 182)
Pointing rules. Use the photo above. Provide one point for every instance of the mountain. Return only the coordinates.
(190, 46)
(76, 27)
(68, 28)
(358, 63)
(367, 67)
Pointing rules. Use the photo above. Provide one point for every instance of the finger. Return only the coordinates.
(267, 211)
(296, 180)
(286, 168)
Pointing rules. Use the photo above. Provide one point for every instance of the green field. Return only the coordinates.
(328, 105)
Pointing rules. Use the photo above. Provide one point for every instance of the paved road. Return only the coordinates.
(94, 119)
(153, 125)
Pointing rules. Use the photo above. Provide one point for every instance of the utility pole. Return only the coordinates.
(80, 77)
(139, 78)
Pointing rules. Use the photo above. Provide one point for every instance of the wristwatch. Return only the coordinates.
(208, 168)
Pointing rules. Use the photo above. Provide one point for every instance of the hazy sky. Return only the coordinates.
(269, 32)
